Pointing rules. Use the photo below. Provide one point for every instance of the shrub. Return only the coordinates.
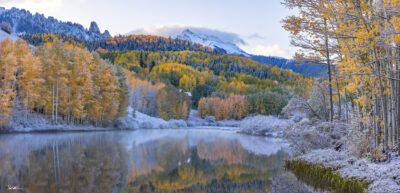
(234, 107)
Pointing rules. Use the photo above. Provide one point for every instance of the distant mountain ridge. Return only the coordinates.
(24, 22)
(305, 68)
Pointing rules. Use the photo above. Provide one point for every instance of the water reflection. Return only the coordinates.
(140, 161)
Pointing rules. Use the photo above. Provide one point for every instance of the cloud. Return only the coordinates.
(31, 3)
(255, 36)
(174, 30)
(274, 50)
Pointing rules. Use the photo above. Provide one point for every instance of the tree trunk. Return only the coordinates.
(328, 63)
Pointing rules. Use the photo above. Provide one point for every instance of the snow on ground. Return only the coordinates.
(21, 122)
(140, 120)
(209, 121)
(385, 177)
(315, 142)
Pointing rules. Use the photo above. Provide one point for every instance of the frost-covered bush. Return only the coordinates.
(299, 105)
(318, 102)
(319, 135)
(315, 106)
(262, 125)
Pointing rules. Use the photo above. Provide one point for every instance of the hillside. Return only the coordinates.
(220, 64)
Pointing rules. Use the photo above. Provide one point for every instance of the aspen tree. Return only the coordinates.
(8, 64)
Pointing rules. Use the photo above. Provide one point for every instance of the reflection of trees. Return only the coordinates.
(229, 151)
(95, 165)
(171, 152)
(217, 166)
(101, 164)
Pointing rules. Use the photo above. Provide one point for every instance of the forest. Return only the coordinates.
(122, 43)
(67, 84)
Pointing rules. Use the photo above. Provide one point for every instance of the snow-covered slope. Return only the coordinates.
(23, 22)
(4, 35)
(212, 41)
(13, 37)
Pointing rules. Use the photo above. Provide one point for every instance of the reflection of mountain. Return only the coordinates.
(116, 162)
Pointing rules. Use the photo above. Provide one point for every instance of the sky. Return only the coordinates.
(254, 25)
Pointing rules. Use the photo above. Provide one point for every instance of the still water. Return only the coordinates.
(144, 161)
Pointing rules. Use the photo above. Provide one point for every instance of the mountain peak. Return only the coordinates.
(187, 31)
(211, 41)
(107, 33)
(94, 27)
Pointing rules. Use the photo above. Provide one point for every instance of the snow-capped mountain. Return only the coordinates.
(23, 22)
(212, 41)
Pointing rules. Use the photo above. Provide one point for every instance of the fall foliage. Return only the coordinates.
(69, 83)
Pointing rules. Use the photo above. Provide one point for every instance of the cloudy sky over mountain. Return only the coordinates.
(254, 25)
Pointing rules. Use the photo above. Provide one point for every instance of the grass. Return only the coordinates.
(325, 178)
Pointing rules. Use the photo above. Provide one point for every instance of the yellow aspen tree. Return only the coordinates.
(8, 64)
(28, 75)
(312, 32)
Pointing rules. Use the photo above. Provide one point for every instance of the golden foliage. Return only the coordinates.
(233, 107)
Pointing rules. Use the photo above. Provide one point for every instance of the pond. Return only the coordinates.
(195, 160)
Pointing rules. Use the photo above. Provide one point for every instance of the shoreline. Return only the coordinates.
(329, 145)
